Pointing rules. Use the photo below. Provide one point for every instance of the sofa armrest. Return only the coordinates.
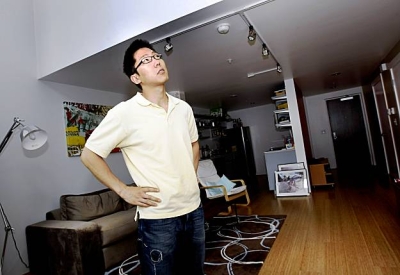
(57, 247)
(54, 214)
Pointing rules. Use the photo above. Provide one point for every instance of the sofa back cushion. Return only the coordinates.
(89, 206)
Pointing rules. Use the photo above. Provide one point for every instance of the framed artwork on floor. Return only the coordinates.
(291, 183)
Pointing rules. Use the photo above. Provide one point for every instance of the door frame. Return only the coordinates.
(390, 111)
(375, 82)
(396, 95)
(380, 78)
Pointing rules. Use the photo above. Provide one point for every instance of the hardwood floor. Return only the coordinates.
(352, 228)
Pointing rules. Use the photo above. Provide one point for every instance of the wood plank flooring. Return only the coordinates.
(352, 228)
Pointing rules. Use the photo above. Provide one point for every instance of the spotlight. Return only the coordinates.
(168, 47)
(252, 34)
(265, 51)
(278, 68)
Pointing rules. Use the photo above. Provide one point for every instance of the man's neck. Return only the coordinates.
(156, 95)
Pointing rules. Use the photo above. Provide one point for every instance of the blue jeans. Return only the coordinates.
(172, 246)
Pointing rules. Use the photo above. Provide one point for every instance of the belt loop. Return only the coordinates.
(137, 214)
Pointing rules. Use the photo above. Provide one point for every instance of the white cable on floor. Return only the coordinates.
(121, 271)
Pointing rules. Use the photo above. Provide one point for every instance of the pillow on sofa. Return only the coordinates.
(86, 207)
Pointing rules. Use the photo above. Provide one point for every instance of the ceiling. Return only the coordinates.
(324, 45)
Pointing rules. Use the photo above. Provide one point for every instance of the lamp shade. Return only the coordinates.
(32, 137)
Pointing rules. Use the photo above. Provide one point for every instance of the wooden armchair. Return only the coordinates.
(221, 187)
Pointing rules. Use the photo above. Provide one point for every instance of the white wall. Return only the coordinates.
(69, 31)
(263, 132)
(31, 183)
(295, 121)
(318, 123)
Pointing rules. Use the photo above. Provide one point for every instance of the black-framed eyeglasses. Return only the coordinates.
(148, 59)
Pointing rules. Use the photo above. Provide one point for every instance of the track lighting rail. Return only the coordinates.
(239, 12)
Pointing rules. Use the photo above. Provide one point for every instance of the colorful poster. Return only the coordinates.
(80, 121)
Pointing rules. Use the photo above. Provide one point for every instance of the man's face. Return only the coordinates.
(154, 73)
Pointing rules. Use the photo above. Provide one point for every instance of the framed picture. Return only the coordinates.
(291, 166)
(291, 183)
(80, 120)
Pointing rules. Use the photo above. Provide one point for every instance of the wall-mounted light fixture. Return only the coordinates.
(252, 33)
(278, 68)
(168, 47)
(265, 51)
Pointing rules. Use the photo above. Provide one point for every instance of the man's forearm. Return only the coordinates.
(131, 194)
(196, 154)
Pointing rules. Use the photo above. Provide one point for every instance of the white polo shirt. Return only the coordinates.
(157, 148)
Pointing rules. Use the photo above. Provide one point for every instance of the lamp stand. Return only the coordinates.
(32, 138)
(7, 229)
(16, 123)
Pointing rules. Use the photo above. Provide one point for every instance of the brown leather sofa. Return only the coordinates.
(89, 234)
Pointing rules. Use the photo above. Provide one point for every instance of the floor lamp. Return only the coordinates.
(32, 138)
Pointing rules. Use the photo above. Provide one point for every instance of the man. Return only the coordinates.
(158, 138)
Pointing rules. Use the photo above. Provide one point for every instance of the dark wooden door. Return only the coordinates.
(349, 134)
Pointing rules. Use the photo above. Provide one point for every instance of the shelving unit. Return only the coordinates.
(283, 97)
(211, 129)
(282, 117)
(209, 126)
(210, 133)
(281, 114)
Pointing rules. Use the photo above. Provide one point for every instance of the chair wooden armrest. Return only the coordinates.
(239, 180)
(217, 186)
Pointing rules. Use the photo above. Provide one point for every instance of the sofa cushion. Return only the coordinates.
(116, 226)
(89, 206)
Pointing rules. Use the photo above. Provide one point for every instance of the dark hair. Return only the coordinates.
(129, 59)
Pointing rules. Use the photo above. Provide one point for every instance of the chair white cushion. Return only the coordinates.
(207, 172)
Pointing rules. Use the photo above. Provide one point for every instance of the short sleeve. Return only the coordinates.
(194, 135)
(107, 135)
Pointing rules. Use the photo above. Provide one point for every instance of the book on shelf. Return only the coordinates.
(281, 104)
(280, 92)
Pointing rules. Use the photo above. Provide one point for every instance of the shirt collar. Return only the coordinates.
(172, 101)
(141, 100)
